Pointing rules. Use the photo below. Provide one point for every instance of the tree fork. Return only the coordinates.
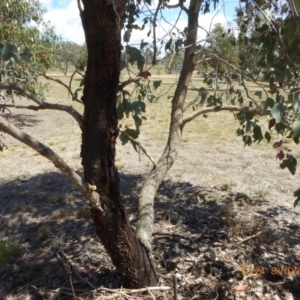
(102, 33)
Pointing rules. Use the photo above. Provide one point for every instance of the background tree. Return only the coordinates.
(69, 54)
(222, 45)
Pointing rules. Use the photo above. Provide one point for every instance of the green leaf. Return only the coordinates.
(268, 136)
(240, 131)
(290, 162)
(297, 193)
(263, 107)
(138, 121)
(293, 94)
(273, 88)
(132, 132)
(127, 35)
(82, 81)
(296, 129)
(257, 133)
(8, 51)
(143, 44)
(168, 44)
(277, 112)
(296, 140)
(123, 63)
(248, 126)
(247, 140)
(279, 127)
(156, 83)
(209, 82)
(75, 94)
(265, 104)
(258, 94)
(138, 106)
(135, 56)
(270, 102)
(272, 122)
(296, 202)
(123, 138)
(295, 106)
(26, 55)
(126, 107)
(119, 106)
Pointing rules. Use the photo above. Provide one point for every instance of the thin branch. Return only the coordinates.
(141, 290)
(58, 81)
(277, 33)
(177, 6)
(70, 262)
(43, 104)
(132, 140)
(85, 188)
(79, 6)
(248, 238)
(245, 109)
(154, 32)
(63, 84)
(243, 75)
(128, 81)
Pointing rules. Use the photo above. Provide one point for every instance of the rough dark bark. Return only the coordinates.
(146, 199)
(102, 33)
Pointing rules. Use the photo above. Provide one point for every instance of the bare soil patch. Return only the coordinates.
(225, 227)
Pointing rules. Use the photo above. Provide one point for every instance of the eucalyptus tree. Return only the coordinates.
(106, 100)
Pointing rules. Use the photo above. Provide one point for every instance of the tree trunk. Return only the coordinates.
(102, 33)
(146, 199)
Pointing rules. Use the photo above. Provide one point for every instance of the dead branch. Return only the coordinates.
(132, 140)
(248, 238)
(43, 104)
(74, 269)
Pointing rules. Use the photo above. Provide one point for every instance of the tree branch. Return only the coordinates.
(245, 109)
(68, 87)
(44, 105)
(154, 32)
(79, 7)
(58, 81)
(132, 140)
(86, 189)
(178, 5)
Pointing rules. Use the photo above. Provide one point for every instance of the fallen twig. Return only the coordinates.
(74, 269)
(248, 238)
(175, 286)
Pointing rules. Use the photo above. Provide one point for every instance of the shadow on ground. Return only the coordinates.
(23, 120)
(206, 236)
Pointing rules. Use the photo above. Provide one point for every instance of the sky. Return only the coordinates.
(64, 16)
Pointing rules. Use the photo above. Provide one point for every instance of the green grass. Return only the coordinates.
(82, 212)
(9, 251)
(43, 233)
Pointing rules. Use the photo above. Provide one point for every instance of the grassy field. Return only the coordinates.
(214, 194)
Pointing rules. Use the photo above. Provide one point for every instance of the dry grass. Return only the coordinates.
(59, 214)
(211, 157)
(43, 233)
(82, 212)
